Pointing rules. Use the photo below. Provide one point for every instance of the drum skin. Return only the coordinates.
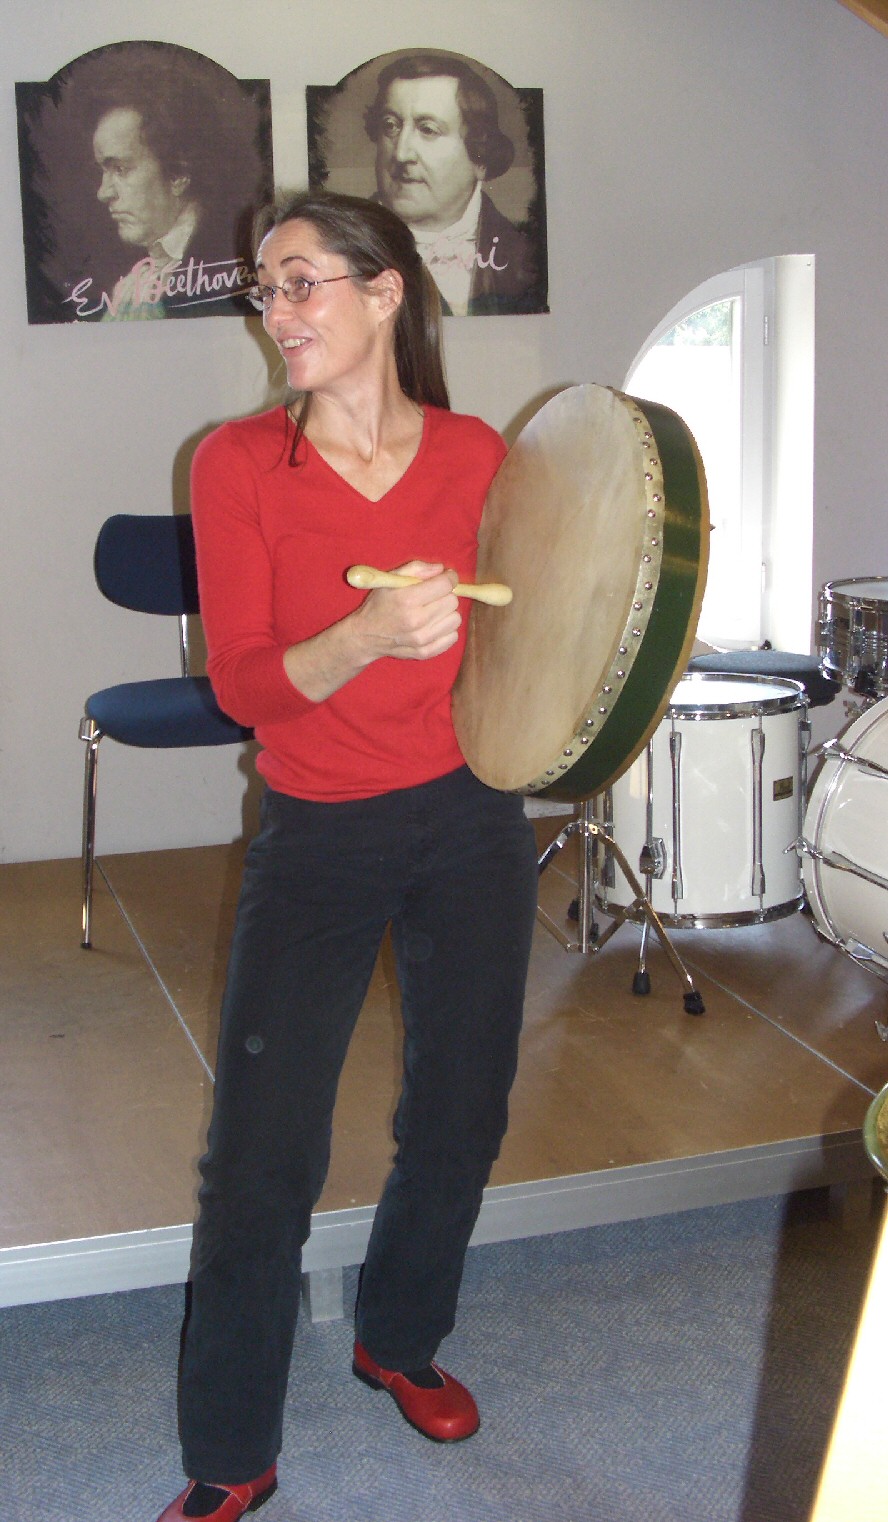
(845, 839)
(598, 521)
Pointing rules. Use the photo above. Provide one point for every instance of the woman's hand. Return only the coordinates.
(409, 623)
(412, 623)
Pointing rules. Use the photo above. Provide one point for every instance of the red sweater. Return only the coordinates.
(273, 545)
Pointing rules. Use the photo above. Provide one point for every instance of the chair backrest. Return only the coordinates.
(146, 562)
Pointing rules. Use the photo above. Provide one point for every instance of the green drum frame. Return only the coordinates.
(653, 630)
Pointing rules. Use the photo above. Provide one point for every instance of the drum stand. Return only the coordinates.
(593, 832)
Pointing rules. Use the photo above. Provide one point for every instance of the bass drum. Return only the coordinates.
(845, 841)
(598, 521)
(712, 810)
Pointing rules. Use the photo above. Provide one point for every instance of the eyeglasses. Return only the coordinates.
(296, 290)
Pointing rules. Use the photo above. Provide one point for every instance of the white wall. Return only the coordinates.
(684, 137)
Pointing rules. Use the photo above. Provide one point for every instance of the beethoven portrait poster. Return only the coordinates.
(142, 164)
(458, 153)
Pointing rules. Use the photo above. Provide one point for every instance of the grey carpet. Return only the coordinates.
(678, 1369)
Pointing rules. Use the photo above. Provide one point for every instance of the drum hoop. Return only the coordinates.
(835, 748)
(727, 921)
(848, 605)
(787, 703)
(831, 595)
(840, 863)
(855, 949)
(840, 758)
(676, 537)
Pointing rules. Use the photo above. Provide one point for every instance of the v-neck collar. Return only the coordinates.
(395, 486)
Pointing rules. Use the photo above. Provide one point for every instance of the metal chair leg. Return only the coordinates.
(91, 734)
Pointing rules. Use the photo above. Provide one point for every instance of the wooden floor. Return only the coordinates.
(107, 1055)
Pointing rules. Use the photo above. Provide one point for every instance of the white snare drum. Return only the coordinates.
(853, 634)
(845, 839)
(712, 809)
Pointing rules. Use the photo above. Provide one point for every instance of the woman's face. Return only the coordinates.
(338, 334)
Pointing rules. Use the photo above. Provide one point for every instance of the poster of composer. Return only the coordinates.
(142, 164)
(457, 152)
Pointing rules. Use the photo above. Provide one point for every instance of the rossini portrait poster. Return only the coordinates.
(457, 152)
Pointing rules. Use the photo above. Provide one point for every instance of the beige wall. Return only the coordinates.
(684, 137)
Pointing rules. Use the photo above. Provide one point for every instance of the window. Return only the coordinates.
(735, 360)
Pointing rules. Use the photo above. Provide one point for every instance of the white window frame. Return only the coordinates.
(776, 357)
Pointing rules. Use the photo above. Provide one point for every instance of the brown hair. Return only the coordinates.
(372, 239)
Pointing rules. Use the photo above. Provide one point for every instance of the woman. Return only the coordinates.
(370, 817)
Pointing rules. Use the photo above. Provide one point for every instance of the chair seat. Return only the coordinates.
(820, 689)
(168, 713)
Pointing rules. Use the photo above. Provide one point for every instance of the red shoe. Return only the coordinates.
(446, 1414)
(237, 1500)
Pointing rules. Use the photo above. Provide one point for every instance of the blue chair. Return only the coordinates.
(147, 563)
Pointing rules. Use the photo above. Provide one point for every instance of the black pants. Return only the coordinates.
(452, 866)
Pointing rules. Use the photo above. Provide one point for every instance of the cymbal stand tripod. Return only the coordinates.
(594, 834)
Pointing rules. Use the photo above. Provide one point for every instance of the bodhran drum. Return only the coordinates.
(711, 810)
(853, 634)
(598, 521)
(845, 841)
